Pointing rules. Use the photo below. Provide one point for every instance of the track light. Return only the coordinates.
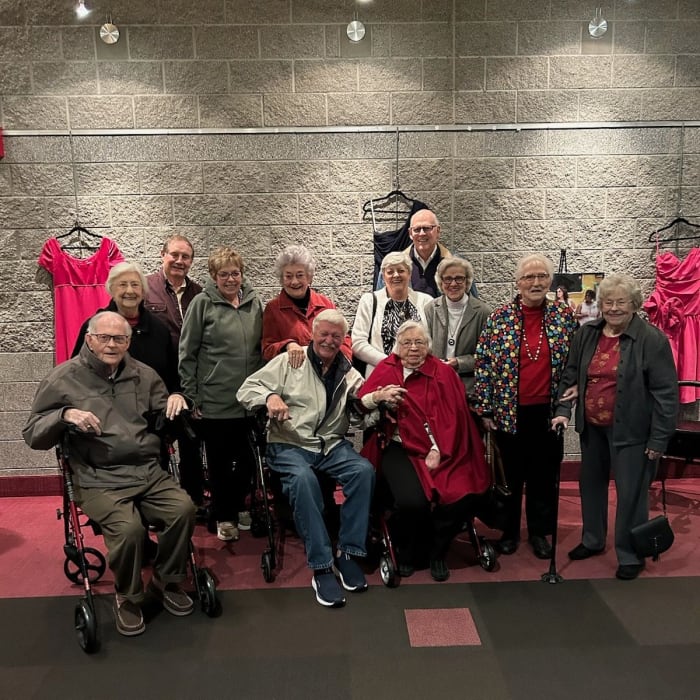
(81, 11)
(598, 25)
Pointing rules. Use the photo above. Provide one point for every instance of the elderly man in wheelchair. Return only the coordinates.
(106, 401)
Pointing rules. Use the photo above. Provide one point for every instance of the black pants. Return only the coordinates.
(420, 531)
(531, 458)
(191, 471)
(230, 463)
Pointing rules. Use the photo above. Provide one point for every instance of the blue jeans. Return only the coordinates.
(296, 467)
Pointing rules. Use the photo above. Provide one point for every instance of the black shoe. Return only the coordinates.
(582, 552)
(540, 546)
(406, 570)
(439, 570)
(627, 572)
(506, 545)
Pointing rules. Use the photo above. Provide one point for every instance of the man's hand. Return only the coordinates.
(432, 459)
(276, 408)
(296, 355)
(391, 394)
(84, 421)
(560, 420)
(175, 406)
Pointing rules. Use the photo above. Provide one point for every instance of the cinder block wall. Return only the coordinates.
(222, 64)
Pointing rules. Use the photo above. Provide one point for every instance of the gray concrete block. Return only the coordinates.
(185, 12)
(381, 41)
(425, 144)
(599, 234)
(12, 424)
(110, 52)
(294, 110)
(333, 41)
(166, 112)
(506, 9)
(225, 177)
(515, 143)
(299, 41)
(350, 239)
(610, 105)
(427, 174)
(552, 171)
(329, 208)
(345, 176)
(37, 180)
(358, 109)
(24, 308)
(340, 146)
(196, 77)
(160, 42)
(101, 112)
(470, 10)
(237, 111)
(637, 263)
(660, 171)
(325, 76)
(643, 71)
(559, 38)
(170, 178)
(262, 76)
(547, 106)
(517, 73)
(504, 205)
(384, 75)
(637, 201)
(438, 75)
(484, 173)
(204, 210)
(78, 43)
(690, 201)
(225, 41)
(485, 38)
(542, 235)
(424, 40)
(577, 72)
(468, 205)
(687, 71)
(140, 210)
(628, 37)
(25, 43)
(673, 37)
(93, 212)
(248, 12)
(673, 104)
(483, 235)
(469, 73)
(15, 79)
(499, 268)
(22, 212)
(646, 9)
(691, 170)
(17, 396)
(30, 149)
(293, 176)
(422, 108)
(489, 107)
(105, 149)
(613, 171)
(108, 178)
(574, 204)
(130, 77)
(232, 147)
(688, 9)
(5, 183)
(75, 78)
(20, 460)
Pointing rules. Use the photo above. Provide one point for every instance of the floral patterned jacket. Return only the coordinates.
(497, 359)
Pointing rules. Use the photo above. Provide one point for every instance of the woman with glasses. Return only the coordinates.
(621, 371)
(519, 360)
(379, 314)
(219, 349)
(433, 467)
(455, 319)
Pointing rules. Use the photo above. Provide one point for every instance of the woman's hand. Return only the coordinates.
(175, 406)
(276, 408)
(488, 423)
(560, 420)
(571, 394)
(653, 455)
(392, 394)
(296, 355)
(432, 459)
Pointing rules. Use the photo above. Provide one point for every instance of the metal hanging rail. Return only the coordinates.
(407, 128)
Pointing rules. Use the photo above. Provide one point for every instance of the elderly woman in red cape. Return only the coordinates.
(428, 451)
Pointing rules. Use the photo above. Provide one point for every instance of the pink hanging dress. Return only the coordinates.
(78, 288)
(674, 307)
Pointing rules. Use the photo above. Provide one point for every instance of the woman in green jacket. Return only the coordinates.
(220, 346)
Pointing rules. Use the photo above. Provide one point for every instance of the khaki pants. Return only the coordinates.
(121, 513)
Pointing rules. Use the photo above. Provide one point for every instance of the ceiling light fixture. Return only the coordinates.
(81, 11)
(598, 25)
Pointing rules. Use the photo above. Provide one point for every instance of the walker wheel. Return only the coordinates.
(86, 627)
(487, 559)
(267, 568)
(95, 566)
(208, 599)
(387, 571)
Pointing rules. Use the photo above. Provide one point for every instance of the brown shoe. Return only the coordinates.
(173, 597)
(128, 617)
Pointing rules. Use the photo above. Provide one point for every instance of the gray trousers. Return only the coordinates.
(121, 513)
(633, 473)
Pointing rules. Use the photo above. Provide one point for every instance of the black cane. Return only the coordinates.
(552, 576)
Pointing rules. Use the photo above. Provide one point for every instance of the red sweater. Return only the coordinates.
(435, 395)
(284, 323)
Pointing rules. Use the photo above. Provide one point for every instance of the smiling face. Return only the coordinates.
(533, 283)
(396, 279)
(228, 281)
(425, 232)
(327, 338)
(127, 292)
(454, 282)
(412, 347)
(177, 261)
(295, 281)
(617, 309)
(110, 340)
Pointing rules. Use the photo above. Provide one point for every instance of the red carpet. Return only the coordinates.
(31, 550)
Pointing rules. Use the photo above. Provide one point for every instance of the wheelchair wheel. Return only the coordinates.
(387, 571)
(487, 559)
(86, 627)
(95, 565)
(207, 593)
(267, 568)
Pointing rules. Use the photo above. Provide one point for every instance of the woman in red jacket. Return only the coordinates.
(433, 462)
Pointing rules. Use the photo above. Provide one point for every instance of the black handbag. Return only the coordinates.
(654, 537)
(495, 504)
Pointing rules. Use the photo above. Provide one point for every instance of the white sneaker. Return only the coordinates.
(227, 531)
(244, 520)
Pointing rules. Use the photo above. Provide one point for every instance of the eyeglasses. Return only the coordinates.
(460, 279)
(428, 228)
(539, 277)
(410, 343)
(229, 275)
(105, 338)
(612, 303)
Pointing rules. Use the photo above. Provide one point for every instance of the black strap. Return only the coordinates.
(371, 321)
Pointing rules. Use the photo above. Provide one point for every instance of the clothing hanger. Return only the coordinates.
(678, 221)
(86, 240)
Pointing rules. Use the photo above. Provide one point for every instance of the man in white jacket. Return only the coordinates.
(310, 410)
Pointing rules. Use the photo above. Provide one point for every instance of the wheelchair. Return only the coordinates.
(684, 446)
(85, 566)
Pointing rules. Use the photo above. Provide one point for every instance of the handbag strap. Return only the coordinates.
(495, 461)
(663, 494)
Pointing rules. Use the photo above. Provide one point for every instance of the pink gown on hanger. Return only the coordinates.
(674, 307)
(78, 288)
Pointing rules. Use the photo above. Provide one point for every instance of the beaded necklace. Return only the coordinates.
(539, 342)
